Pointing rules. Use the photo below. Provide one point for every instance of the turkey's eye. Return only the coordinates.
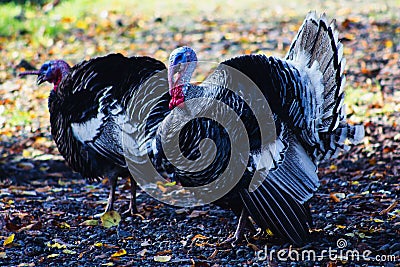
(178, 58)
(45, 67)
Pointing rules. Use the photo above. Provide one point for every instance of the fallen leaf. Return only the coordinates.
(110, 219)
(64, 225)
(90, 223)
(269, 232)
(3, 255)
(9, 240)
(333, 167)
(145, 243)
(181, 211)
(43, 189)
(166, 258)
(52, 256)
(67, 251)
(334, 198)
(119, 253)
(199, 236)
(142, 252)
(170, 183)
(197, 213)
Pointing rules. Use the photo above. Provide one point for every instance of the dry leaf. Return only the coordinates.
(334, 198)
(67, 251)
(9, 240)
(197, 213)
(55, 255)
(110, 219)
(199, 236)
(90, 223)
(166, 258)
(142, 252)
(119, 253)
(56, 245)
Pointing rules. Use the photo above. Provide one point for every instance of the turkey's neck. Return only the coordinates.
(178, 89)
(61, 70)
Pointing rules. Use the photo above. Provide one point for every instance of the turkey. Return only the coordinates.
(304, 93)
(87, 111)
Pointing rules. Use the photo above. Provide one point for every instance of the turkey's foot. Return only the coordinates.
(132, 210)
(111, 197)
(239, 233)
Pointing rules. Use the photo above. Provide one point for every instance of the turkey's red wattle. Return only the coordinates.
(177, 97)
(57, 79)
(61, 69)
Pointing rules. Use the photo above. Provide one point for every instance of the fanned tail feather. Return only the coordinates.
(317, 50)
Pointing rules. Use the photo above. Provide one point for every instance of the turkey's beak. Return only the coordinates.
(33, 72)
(41, 78)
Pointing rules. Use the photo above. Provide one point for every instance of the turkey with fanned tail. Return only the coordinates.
(305, 94)
(88, 110)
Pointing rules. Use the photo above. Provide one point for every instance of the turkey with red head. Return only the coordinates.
(305, 98)
(87, 113)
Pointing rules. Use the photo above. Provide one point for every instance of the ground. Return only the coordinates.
(47, 211)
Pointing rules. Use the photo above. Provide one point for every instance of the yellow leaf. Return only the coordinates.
(162, 258)
(67, 251)
(90, 223)
(56, 245)
(388, 43)
(333, 167)
(108, 264)
(269, 232)
(53, 256)
(110, 219)
(340, 226)
(26, 153)
(119, 253)
(378, 221)
(170, 183)
(98, 244)
(64, 225)
(9, 240)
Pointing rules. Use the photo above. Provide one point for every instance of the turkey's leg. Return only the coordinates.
(132, 203)
(239, 233)
(111, 195)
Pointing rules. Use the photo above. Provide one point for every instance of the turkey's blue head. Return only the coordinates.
(51, 71)
(182, 63)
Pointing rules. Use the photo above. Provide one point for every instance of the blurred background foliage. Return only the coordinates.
(32, 32)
